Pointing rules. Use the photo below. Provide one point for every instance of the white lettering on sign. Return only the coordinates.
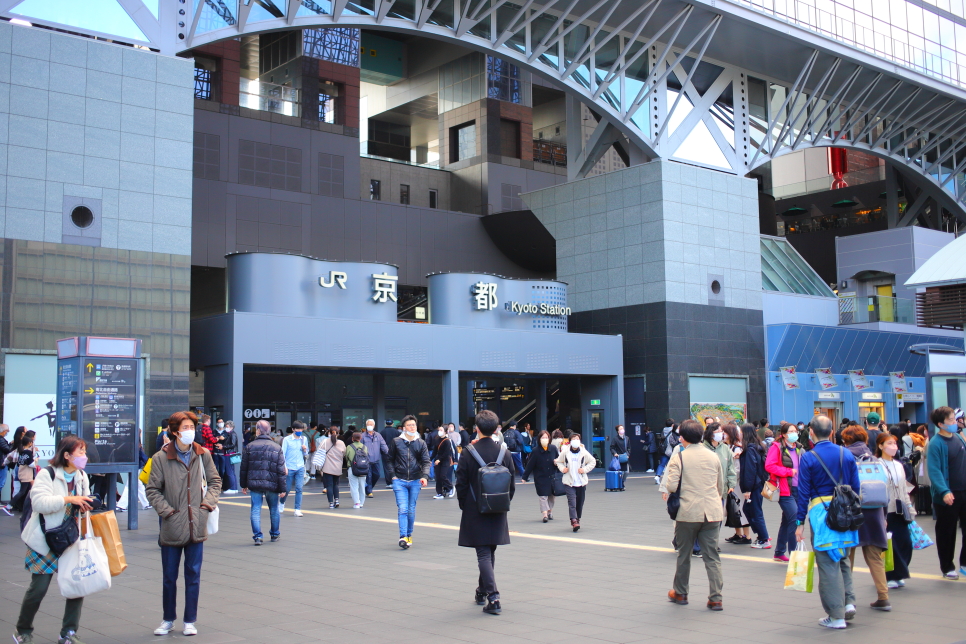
(537, 309)
(384, 287)
(485, 294)
(335, 277)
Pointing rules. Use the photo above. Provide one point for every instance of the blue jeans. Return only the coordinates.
(660, 468)
(756, 517)
(373, 475)
(517, 463)
(170, 562)
(786, 531)
(272, 498)
(407, 492)
(299, 478)
(3, 480)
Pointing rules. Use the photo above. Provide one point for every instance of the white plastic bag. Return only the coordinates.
(84, 569)
(213, 515)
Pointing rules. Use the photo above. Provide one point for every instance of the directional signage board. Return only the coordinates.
(110, 409)
(68, 388)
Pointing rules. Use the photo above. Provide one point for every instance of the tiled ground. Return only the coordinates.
(338, 576)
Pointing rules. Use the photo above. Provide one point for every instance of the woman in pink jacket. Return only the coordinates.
(782, 465)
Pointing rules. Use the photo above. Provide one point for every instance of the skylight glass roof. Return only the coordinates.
(783, 270)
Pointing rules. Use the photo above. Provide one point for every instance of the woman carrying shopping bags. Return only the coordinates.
(541, 466)
(56, 500)
(576, 463)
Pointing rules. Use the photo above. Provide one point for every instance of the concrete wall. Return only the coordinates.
(420, 181)
(790, 308)
(657, 232)
(88, 122)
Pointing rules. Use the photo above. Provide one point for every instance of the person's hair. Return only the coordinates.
(709, 432)
(883, 438)
(763, 422)
(333, 425)
(334, 431)
(785, 426)
(369, 420)
(356, 437)
(668, 422)
(297, 425)
(263, 427)
(821, 426)
(853, 434)
(230, 423)
(749, 436)
(556, 434)
(486, 422)
(691, 431)
(900, 430)
(175, 420)
(205, 418)
(511, 425)
(731, 431)
(68, 445)
(616, 427)
(769, 433)
(917, 439)
(449, 425)
(407, 418)
(26, 439)
(543, 433)
(567, 433)
(921, 430)
(939, 414)
(17, 435)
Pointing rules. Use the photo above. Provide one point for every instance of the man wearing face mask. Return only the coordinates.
(576, 463)
(295, 447)
(407, 466)
(376, 448)
(443, 460)
(946, 458)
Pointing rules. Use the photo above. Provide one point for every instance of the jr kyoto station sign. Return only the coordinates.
(491, 301)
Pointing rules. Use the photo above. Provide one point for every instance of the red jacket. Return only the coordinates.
(773, 465)
(209, 437)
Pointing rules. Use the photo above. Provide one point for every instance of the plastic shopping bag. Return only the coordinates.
(889, 556)
(801, 569)
(920, 540)
(83, 569)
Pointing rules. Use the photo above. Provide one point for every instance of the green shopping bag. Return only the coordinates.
(801, 569)
(889, 557)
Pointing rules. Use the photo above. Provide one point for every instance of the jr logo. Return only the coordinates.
(335, 277)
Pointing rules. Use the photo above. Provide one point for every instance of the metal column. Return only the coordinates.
(379, 400)
(451, 397)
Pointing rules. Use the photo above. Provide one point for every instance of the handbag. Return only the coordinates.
(674, 498)
(559, 489)
(920, 540)
(83, 569)
(235, 459)
(615, 465)
(213, 515)
(900, 508)
(770, 491)
(733, 509)
(318, 457)
(622, 458)
(105, 527)
(62, 537)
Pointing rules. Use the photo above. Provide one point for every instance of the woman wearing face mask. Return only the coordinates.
(332, 468)
(175, 491)
(899, 508)
(751, 477)
(58, 497)
(742, 535)
(541, 466)
(576, 463)
(782, 464)
(231, 448)
(25, 467)
(443, 460)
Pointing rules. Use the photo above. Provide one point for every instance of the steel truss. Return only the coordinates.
(642, 67)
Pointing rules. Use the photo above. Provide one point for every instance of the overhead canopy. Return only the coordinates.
(945, 268)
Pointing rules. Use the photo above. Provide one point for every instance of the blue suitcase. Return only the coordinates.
(613, 481)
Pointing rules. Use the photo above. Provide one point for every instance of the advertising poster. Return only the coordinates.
(789, 377)
(30, 396)
(826, 379)
(859, 381)
(898, 381)
(725, 412)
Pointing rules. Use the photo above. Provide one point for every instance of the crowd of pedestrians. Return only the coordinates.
(711, 472)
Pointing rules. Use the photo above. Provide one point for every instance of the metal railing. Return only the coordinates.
(550, 153)
(876, 308)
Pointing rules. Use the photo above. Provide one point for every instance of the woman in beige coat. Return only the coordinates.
(576, 463)
(332, 467)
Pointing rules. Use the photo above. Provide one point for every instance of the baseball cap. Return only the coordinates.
(872, 417)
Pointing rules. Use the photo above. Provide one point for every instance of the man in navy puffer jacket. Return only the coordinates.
(263, 473)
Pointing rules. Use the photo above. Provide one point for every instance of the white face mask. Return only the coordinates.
(221, 425)
(575, 444)
(187, 436)
(544, 441)
(718, 437)
(370, 428)
(442, 432)
(410, 433)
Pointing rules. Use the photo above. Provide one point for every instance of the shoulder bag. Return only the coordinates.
(674, 498)
(213, 515)
(770, 491)
(61, 537)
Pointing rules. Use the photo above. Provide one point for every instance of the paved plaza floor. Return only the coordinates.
(338, 576)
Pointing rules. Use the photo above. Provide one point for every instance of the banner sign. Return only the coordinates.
(826, 379)
(789, 377)
(898, 381)
(859, 381)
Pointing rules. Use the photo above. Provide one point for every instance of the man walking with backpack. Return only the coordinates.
(671, 439)
(514, 443)
(828, 484)
(484, 487)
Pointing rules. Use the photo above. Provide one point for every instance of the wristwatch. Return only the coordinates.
(799, 523)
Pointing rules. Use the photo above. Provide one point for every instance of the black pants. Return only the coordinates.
(31, 604)
(948, 517)
(331, 483)
(901, 546)
(486, 560)
(575, 500)
(444, 477)
(21, 496)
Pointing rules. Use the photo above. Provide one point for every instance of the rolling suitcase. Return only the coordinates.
(613, 481)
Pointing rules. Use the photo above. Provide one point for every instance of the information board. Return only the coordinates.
(481, 394)
(67, 392)
(512, 392)
(110, 399)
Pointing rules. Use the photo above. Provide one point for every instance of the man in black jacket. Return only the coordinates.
(514, 443)
(407, 466)
(263, 473)
(484, 532)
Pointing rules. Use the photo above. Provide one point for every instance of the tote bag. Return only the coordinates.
(83, 569)
(800, 574)
(214, 514)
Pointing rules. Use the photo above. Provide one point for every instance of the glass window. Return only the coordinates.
(404, 194)
(463, 142)
(433, 199)
(328, 95)
(337, 45)
(505, 82)
(375, 190)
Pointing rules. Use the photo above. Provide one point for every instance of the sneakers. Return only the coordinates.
(281, 508)
(23, 638)
(962, 570)
(762, 545)
(881, 604)
(409, 540)
(369, 496)
(678, 598)
(332, 505)
(356, 506)
(893, 584)
(403, 543)
(575, 524)
(657, 480)
(165, 628)
(258, 541)
(231, 491)
(649, 471)
(70, 638)
(952, 574)
(189, 629)
(298, 513)
(6, 509)
(742, 541)
(276, 538)
(828, 622)
(452, 493)
(439, 496)
(781, 558)
(337, 503)
(493, 608)
(902, 583)
(479, 597)
(733, 538)
(849, 612)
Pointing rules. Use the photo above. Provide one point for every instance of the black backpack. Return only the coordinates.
(844, 511)
(360, 463)
(493, 481)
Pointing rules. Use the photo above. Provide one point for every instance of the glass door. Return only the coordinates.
(865, 408)
(598, 437)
